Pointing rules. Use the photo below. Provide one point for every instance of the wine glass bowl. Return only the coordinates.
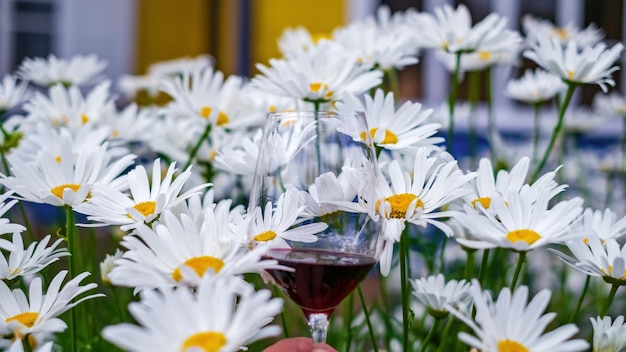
(315, 156)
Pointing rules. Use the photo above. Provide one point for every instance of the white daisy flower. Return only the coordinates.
(240, 159)
(594, 65)
(417, 197)
(37, 312)
(608, 336)
(534, 87)
(293, 41)
(12, 93)
(108, 264)
(485, 185)
(381, 41)
(610, 105)
(132, 85)
(18, 345)
(222, 315)
(129, 124)
(591, 257)
(28, 261)
(320, 75)
(437, 295)
(540, 28)
(331, 193)
(512, 324)
(273, 226)
(401, 129)
(173, 137)
(501, 49)
(519, 222)
(43, 136)
(5, 224)
(148, 198)
(177, 66)
(205, 96)
(78, 70)
(181, 250)
(67, 106)
(451, 29)
(65, 178)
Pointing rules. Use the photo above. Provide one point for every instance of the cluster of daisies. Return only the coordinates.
(174, 175)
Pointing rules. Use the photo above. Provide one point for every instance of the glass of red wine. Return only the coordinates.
(327, 160)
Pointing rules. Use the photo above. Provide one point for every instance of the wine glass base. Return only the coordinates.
(318, 324)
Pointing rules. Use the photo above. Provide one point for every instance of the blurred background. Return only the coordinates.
(132, 34)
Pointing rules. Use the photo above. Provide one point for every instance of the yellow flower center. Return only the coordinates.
(28, 319)
(199, 265)
(84, 118)
(146, 208)
(206, 111)
(526, 235)
(511, 346)
(400, 204)
(390, 137)
(484, 201)
(319, 36)
(58, 159)
(115, 134)
(271, 108)
(561, 33)
(265, 236)
(58, 190)
(315, 87)
(222, 117)
(207, 341)
(484, 55)
(570, 74)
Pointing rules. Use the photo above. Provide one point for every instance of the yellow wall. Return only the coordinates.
(271, 17)
(168, 29)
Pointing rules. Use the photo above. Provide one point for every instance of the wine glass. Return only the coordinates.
(327, 160)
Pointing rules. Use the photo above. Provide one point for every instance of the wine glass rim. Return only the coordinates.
(304, 114)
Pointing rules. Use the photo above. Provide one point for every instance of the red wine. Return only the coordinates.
(322, 279)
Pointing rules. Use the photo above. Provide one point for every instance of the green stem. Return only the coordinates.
(73, 268)
(442, 252)
(557, 130)
(609, 300)
(484, 262)
(318, 151)
(518, 269)
(537, 132)
(404, 283)
(444, 334)
(26, 344)
(194, 151)
(469, 266)
(349, 322)
(117, 301)
(283, 316)
(580, 300)
(452, 101)
(370, 328)
(394, 86)
(430, 334)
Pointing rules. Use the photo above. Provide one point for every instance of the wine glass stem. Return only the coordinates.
(318, 323)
